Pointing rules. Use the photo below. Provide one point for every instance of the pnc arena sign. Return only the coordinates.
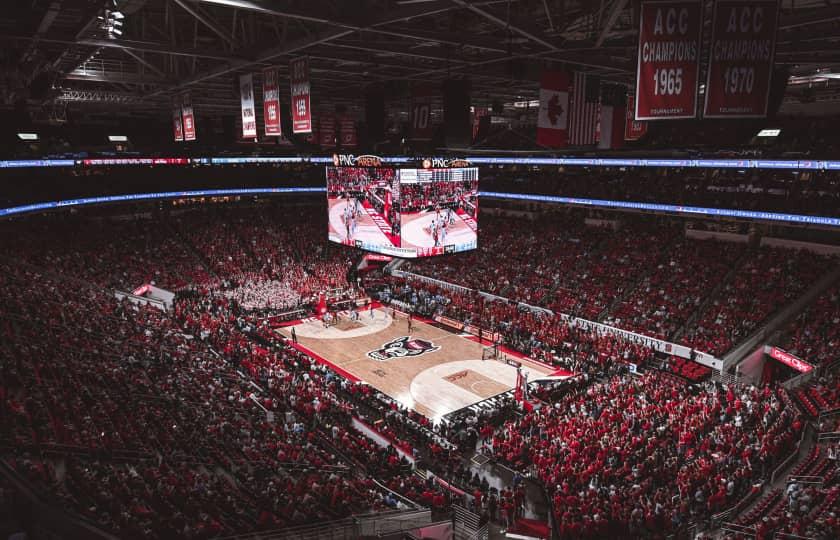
(668, 64)
(349, 160)
(443, 163)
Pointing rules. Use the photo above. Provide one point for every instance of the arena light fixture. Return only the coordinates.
(28, 136)
(769, 133)
(117, 138)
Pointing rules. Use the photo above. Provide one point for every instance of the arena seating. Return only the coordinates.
(615, 276)
(815, 335)
(667, 296)
(155, 424)
(769, 279)
(806, 508)
(633, 456)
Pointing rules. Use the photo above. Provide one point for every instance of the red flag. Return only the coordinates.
(552, 123)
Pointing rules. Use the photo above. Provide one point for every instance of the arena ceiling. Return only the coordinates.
(56, 52)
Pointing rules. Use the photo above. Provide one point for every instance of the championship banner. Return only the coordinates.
(246, 96)
(478, 114)
(421, 114)
(188, 117)
(327, 131)
(633, 129)
(177, 126)
(271, 102)
(669, 59)
(347, 131)
(553, 117)
(741, 58)
(301, 106)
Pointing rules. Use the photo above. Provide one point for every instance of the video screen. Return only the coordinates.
(404, 212)
(361, 211)
(438, 210)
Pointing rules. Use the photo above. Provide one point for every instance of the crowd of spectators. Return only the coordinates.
(645, 277)
(768, 279)
(133, 419)
(815, 334)
(640, 456)
(201, 421)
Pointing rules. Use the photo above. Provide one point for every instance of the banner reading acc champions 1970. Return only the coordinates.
(669, 59)
(301, 105)
(271, 102)
(741, 58)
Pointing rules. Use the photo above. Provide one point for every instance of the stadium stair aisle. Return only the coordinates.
(189, 247)
(710, 297)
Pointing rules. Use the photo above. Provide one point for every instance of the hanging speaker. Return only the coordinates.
(456, 111)
(375, 113)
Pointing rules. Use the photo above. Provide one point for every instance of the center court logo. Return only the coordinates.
(402, 347)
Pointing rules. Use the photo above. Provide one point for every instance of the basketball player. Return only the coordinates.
(347, 213)
(371, 311)
(409, 323)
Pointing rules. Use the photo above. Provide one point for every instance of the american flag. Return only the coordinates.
(585, 109)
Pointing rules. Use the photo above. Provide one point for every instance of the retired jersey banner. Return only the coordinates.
(246, 97)
(301, 104)
(633, 129)
(347, 131)
(741, 58)
(327, 131)
(188, 117)
(420, 114)
(669, 59)
(177, 126)
(271, 102)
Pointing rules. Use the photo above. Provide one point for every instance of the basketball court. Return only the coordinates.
(431, 370)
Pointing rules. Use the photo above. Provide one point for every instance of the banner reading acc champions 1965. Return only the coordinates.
(669, 59)
(741, 58)
(301, 105)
